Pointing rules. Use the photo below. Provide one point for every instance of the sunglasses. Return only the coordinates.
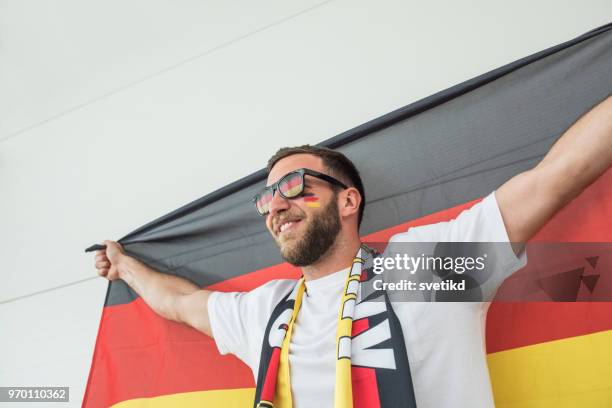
(291, 185)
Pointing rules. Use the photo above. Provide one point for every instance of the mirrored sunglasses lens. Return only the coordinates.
(291, 185)
(263, 202)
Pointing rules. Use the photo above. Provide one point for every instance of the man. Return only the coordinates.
(290, 333)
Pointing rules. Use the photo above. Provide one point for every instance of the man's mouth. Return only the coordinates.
(287, 226)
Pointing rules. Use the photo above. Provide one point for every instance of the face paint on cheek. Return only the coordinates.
(311, 200)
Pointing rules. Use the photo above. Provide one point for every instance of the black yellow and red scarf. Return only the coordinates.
(375, 375)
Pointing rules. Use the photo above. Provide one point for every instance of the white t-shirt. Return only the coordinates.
(444, 341)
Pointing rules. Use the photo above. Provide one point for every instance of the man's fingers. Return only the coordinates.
(109, 243)
(102, 262)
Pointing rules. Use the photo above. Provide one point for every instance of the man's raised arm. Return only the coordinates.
(579, 157)
(169, 296)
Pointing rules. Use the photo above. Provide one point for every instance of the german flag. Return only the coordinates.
(421, 164)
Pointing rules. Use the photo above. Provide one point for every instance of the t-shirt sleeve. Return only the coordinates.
(481, 223)
(238, 319)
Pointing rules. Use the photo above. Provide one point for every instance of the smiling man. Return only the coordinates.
(304, 232)
(313, 342)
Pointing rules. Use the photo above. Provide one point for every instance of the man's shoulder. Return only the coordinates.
(459, 228)
(267, 294)
(421, 233)
(273, 290)
(276, 285)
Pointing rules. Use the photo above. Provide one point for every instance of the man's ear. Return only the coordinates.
(350, 201)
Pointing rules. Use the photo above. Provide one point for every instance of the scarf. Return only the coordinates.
(372, 367)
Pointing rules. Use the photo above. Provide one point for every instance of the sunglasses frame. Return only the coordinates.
(301, 172)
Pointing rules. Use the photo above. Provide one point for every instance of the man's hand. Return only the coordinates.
(107, 260)
(169, 296)
(579, 157)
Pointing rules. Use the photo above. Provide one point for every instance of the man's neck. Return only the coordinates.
(339, 256)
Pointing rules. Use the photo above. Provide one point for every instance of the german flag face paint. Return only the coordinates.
(311, 200)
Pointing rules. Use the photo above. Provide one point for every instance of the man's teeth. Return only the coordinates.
(285, 226)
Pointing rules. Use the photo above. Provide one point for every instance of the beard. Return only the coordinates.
(318, 238)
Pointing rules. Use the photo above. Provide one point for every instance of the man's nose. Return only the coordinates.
(278, 204)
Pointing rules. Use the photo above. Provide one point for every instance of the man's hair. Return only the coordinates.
(337, 165)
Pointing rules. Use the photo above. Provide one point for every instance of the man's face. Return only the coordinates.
(305, 227)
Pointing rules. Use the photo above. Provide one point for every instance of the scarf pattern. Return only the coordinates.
(372, 368)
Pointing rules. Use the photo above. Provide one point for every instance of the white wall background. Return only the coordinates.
(114, 113)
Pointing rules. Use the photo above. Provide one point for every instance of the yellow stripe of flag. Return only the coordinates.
(573, 372)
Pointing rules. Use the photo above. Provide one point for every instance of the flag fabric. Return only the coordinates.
(421, 164)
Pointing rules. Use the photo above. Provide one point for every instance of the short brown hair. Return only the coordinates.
(337, 164)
